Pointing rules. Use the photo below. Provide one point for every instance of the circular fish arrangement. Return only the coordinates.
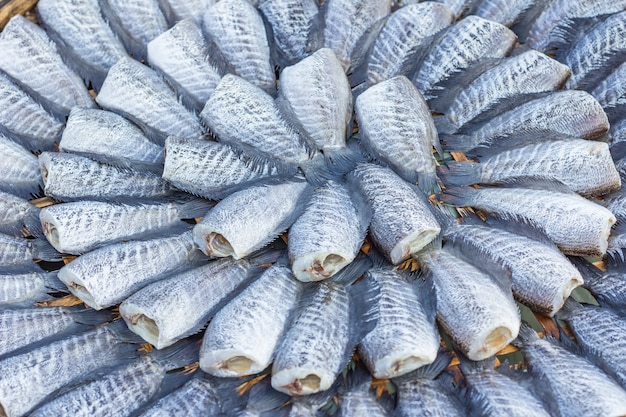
(274, 208)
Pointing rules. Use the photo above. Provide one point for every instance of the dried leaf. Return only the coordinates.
(67, 301)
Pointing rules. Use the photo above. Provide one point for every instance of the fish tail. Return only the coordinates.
(525, 336)
(460, 173)
(263, 398)
(182, 353)
(92, 317)
(569, 307)
(444, 125)
(32, 222)
(42, 250)
(460, 196)
(52, 282)
(196, 207)
(428, 182)
(456, 143)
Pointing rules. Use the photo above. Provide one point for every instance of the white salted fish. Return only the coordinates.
(122, 390)
(82, 226)
(404, 36)
(331, 318)
(577, 226)
(562, 160)
(243, 115)
(69, 177)
(133, 90)
(135, 23)
(461, 45)
(108, 275)
(342, 23)
(182, 55)
(23, 118)
(611, 93)
(405, 337)
(329, 234)
(505, 12)
(107, 137)
(358, 399)
(396, 127)
(25, 288)
(17, 252)
(23, 327)
(242, 337)
(180, 305)
(18, 169)
(32, 60)
(250, 219)
(84, 37)
(593, 56)
(527, 73)
(572, 113)
(402, 223)
(318, 93)
(291, 22)
(30, 377)
(16, 214)
(214, 170)
(475, 309)
(177, 10)
(570, 384)
(236, 28)
(541, 276)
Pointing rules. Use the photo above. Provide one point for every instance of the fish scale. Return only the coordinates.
(18, 169)
(505, 12)
(27, 288)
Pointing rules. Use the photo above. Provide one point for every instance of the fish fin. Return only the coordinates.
(32, 222)
(178, 355)
(378, 259)
(364, 298)
(315, 39)
(124, 163)
(570, 307)
(317, 171)
(457, 142)
(92, 317)
(537, 183)
(460, 173)
(426, 293)
(264, 398)
(362, 207)
(430, 371)
(123, 334)
(196, 207)
(267, 256)
(444, 125)
(343, 160)
(522, 229)
(526, 335)
(361, 52)
(52, 282)
(501, 144)
(590, 273)
(527, 19)
(500, 274)
(428, 182)
(351, 272)
(44, 251)
(460, 196)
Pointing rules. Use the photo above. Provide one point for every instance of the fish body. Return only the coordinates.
(237, 28)
(25, 288)
(31, 59)
(504, 12)
(249, 219)
(396, 127)
(133, 90)
(83, 36)
(577, 226)
(19, 252)
(242, 337)
(18, 169)
(69, 177)
(486, 320)
(17, 213)
(177, 10)
(404, 35)
(182, 55)
(562, 160)
(328, 235)
(611, 93)
(108, 275)
(82, 226)
(402, 223)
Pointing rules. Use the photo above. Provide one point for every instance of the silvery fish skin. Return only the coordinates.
(24, 289)
(402, 223)
(291, 21)
(405, 337)
(25, 119)
(464, 43)
(197, 397)
(17, 213)
(82, 226)
(177, 10)
(109, 138)
(328, 235)
(595, 54)
(406, 32)
(541, 276)
(526, 73)
(18, 169)
(359, 400)
(551, 26)
(576, 225)
(458, 7)
(108, 275)
(463, 291)
(237, 29)
(84, 37)
(318, 93)
(243, 115)
(64, 176)
(182, 55)
(32, 60)
(213, 170)
(173, 308)
(571, 384)
(609, 287)
(137, 92)
(601, 333)
(562, 160)
(343, 23)
(396, 127)
(505, 12)
(20, 252)
(617, 138)
(242, 337)
(611, 93)
(249, 219)
(571, 113)
(28, 378)
(489, 393)
(135, 23)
